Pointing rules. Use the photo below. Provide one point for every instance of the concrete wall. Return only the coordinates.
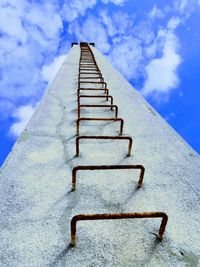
(35, 182)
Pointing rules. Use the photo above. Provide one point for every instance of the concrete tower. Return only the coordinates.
(107, 156)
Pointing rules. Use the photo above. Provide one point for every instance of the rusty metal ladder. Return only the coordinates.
(88, 66)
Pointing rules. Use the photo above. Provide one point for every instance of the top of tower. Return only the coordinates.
(82, 44)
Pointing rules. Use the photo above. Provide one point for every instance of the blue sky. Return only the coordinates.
(154, 44)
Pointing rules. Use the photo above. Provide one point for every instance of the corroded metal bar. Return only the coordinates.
(86, 82)
(104, 138)
(99, 119)
(107, 167)
(90, 71)
(88, 65)
(98, 106)
(88, 78)
(116, 216)
(96, 96)
(92, 89)
(97, 72)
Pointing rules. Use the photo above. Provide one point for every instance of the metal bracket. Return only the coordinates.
(107, 167)
(104, 138)
(98, 106)
(116, 216)
(99, 119)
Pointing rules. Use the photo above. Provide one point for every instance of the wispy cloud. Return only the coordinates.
(49, 71)
(30, 37)
(21, 116)
(116, 2)
(75, 8)
(161, 72)
(91, 30)
(126, 55)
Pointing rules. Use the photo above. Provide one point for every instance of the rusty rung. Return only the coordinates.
(96, 96)
(98, 106)
(95, 68)
(86, 52)
(115, 216)
(97, 73)
(86, 65)
(87, 62)
(92, 89)
(84, 62)
(107, 167)
(84, 69)
(83, 75)
(87, 57)
(94, 82)
(104, 138)
(88, 72)
(90, 77)
(99, 119)
(102, 84)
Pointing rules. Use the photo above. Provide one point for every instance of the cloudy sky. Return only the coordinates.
(155, 44)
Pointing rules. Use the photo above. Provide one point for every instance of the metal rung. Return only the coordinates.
(88, 72)
(82, 75)
(86, 65)
(92, 89)
(95, 82)
(107, 167)
(91, 77)
(97, 73)
(115, 216)
(99, 119)
(96, 96)
(104, 138)
(93, 69)
(98, 80)
(98, 106)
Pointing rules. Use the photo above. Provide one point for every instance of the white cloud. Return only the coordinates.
(10, 21)
(75, 8)
(123, 23)
(22, 115)
(92, 30)
(108, 22)
(161, 72)
(126, 56)
(156, 13)
(46, 18)
(49, 71)
(31, 35)
(116, 2)
(173, 23)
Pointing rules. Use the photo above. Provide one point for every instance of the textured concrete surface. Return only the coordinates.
(35, 184)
